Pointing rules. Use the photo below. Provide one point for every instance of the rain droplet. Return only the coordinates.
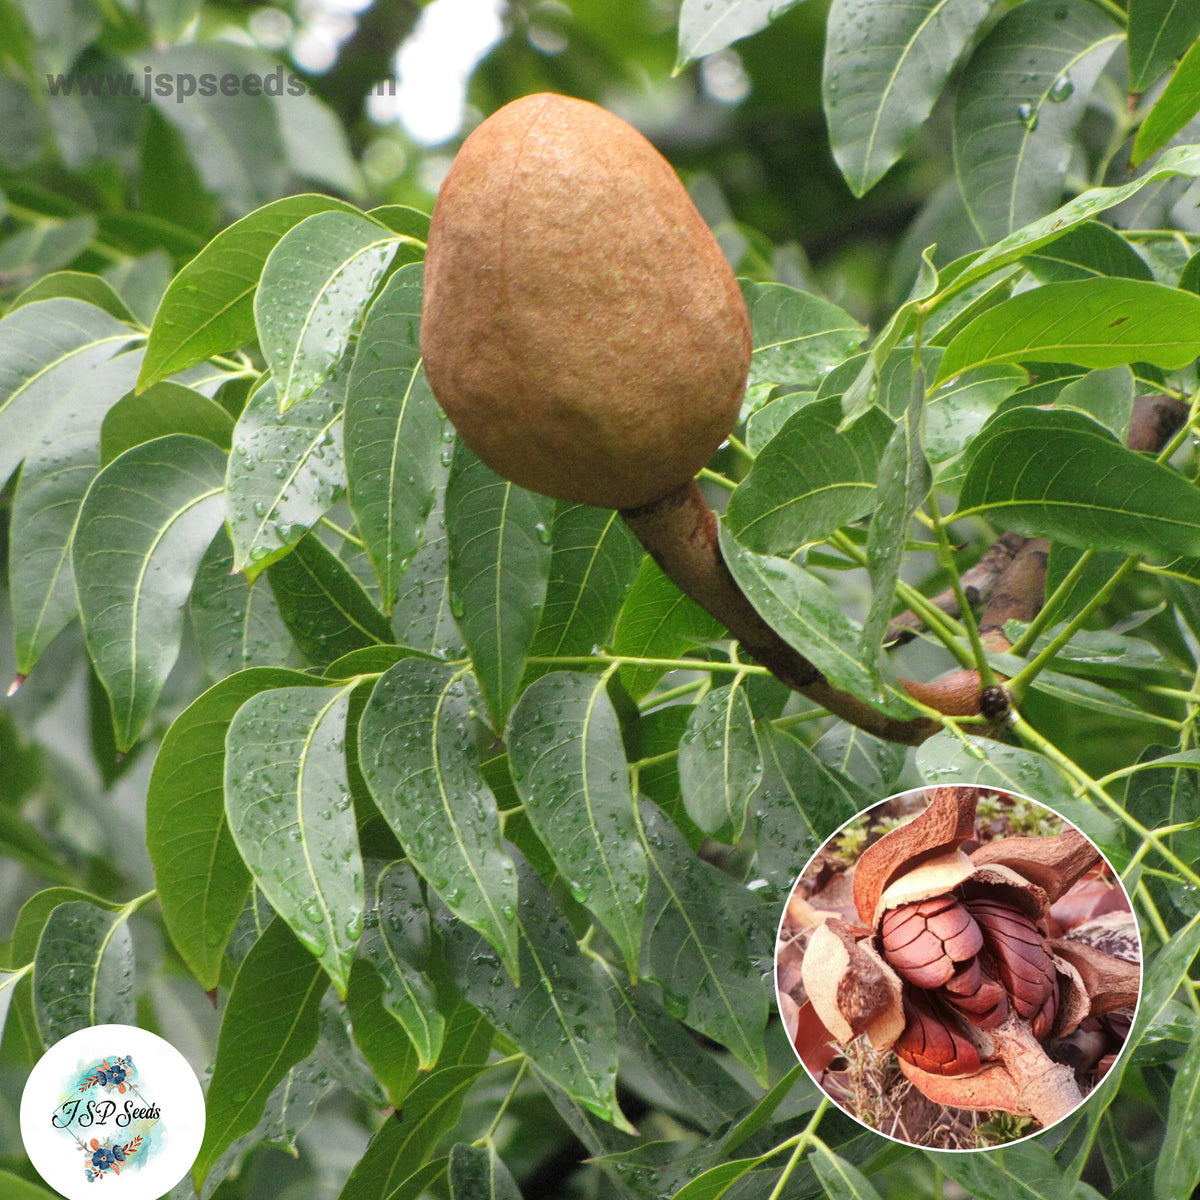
(1028, 115)
(1060, 89)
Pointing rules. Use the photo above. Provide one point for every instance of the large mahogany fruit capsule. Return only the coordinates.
(581, 327)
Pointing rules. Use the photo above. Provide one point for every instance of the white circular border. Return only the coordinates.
(863, 815)
(165, 1079)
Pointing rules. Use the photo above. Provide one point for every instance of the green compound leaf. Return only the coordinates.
(499, 544)
(1181, 162)
(594, 561)
(1177, 105)
(1089, 322)
(315, 286)
(706, 26)
(1159, 32)
(46, 350)
(287, 800)
(384, 1045)
(202, 881)
(714, 1184)
(50, 491)
(840, 1179)
(147, 520)
(83, 970)
(417, 753)
(698, 946)
(421, 616)
(904, 482)
(394, 432)
(810, 479)
(161, 409)
(1062, 475)
(26, 933)
(555, 1015)
(1087, 250)
(478, 1173)
(1025, 1172)
(293, 1103)
(1023, 93)
(698, 1086)
(323, 606)
(271, 1022)
(236, 623)
(77, 285)
(796, 337)
(399, 1162)
(719, 764)
(396, 941)
(568, 764)
(209, 306)
(1178, 1170)
(798, 804)
(285, 473)
(658, 621)
(882, 77)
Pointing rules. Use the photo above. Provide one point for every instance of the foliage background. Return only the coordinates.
(128, 193)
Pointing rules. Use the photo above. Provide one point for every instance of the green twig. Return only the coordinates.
(800, 718)
(947, 631)
(127, 910)
(1019, 683)
(987, 676)
(656, 699)
(1085, 783)
(742, 449)
(342, 533)
(722, 481)
(628, 660)
(508, 1099)
(805, 1138)
(1033, 631)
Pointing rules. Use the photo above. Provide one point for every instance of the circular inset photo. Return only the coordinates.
(958, 967)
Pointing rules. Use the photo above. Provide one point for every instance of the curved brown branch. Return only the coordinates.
(1016, 569)
(978, 583)
(1020, 591)
(680, 534)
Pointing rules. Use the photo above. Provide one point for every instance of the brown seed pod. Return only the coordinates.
(581, 327)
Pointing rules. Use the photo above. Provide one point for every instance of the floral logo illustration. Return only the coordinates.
(109, 1157)
(110, 1076)
(127, 1126)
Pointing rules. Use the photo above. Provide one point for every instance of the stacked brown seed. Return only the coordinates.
(1023, 961)
(973, 956)
(931, 1042)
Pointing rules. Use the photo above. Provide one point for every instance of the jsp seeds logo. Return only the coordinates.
(129, 1103)
(122, 1134)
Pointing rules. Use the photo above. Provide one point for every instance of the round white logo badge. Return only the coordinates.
(112, 1103)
